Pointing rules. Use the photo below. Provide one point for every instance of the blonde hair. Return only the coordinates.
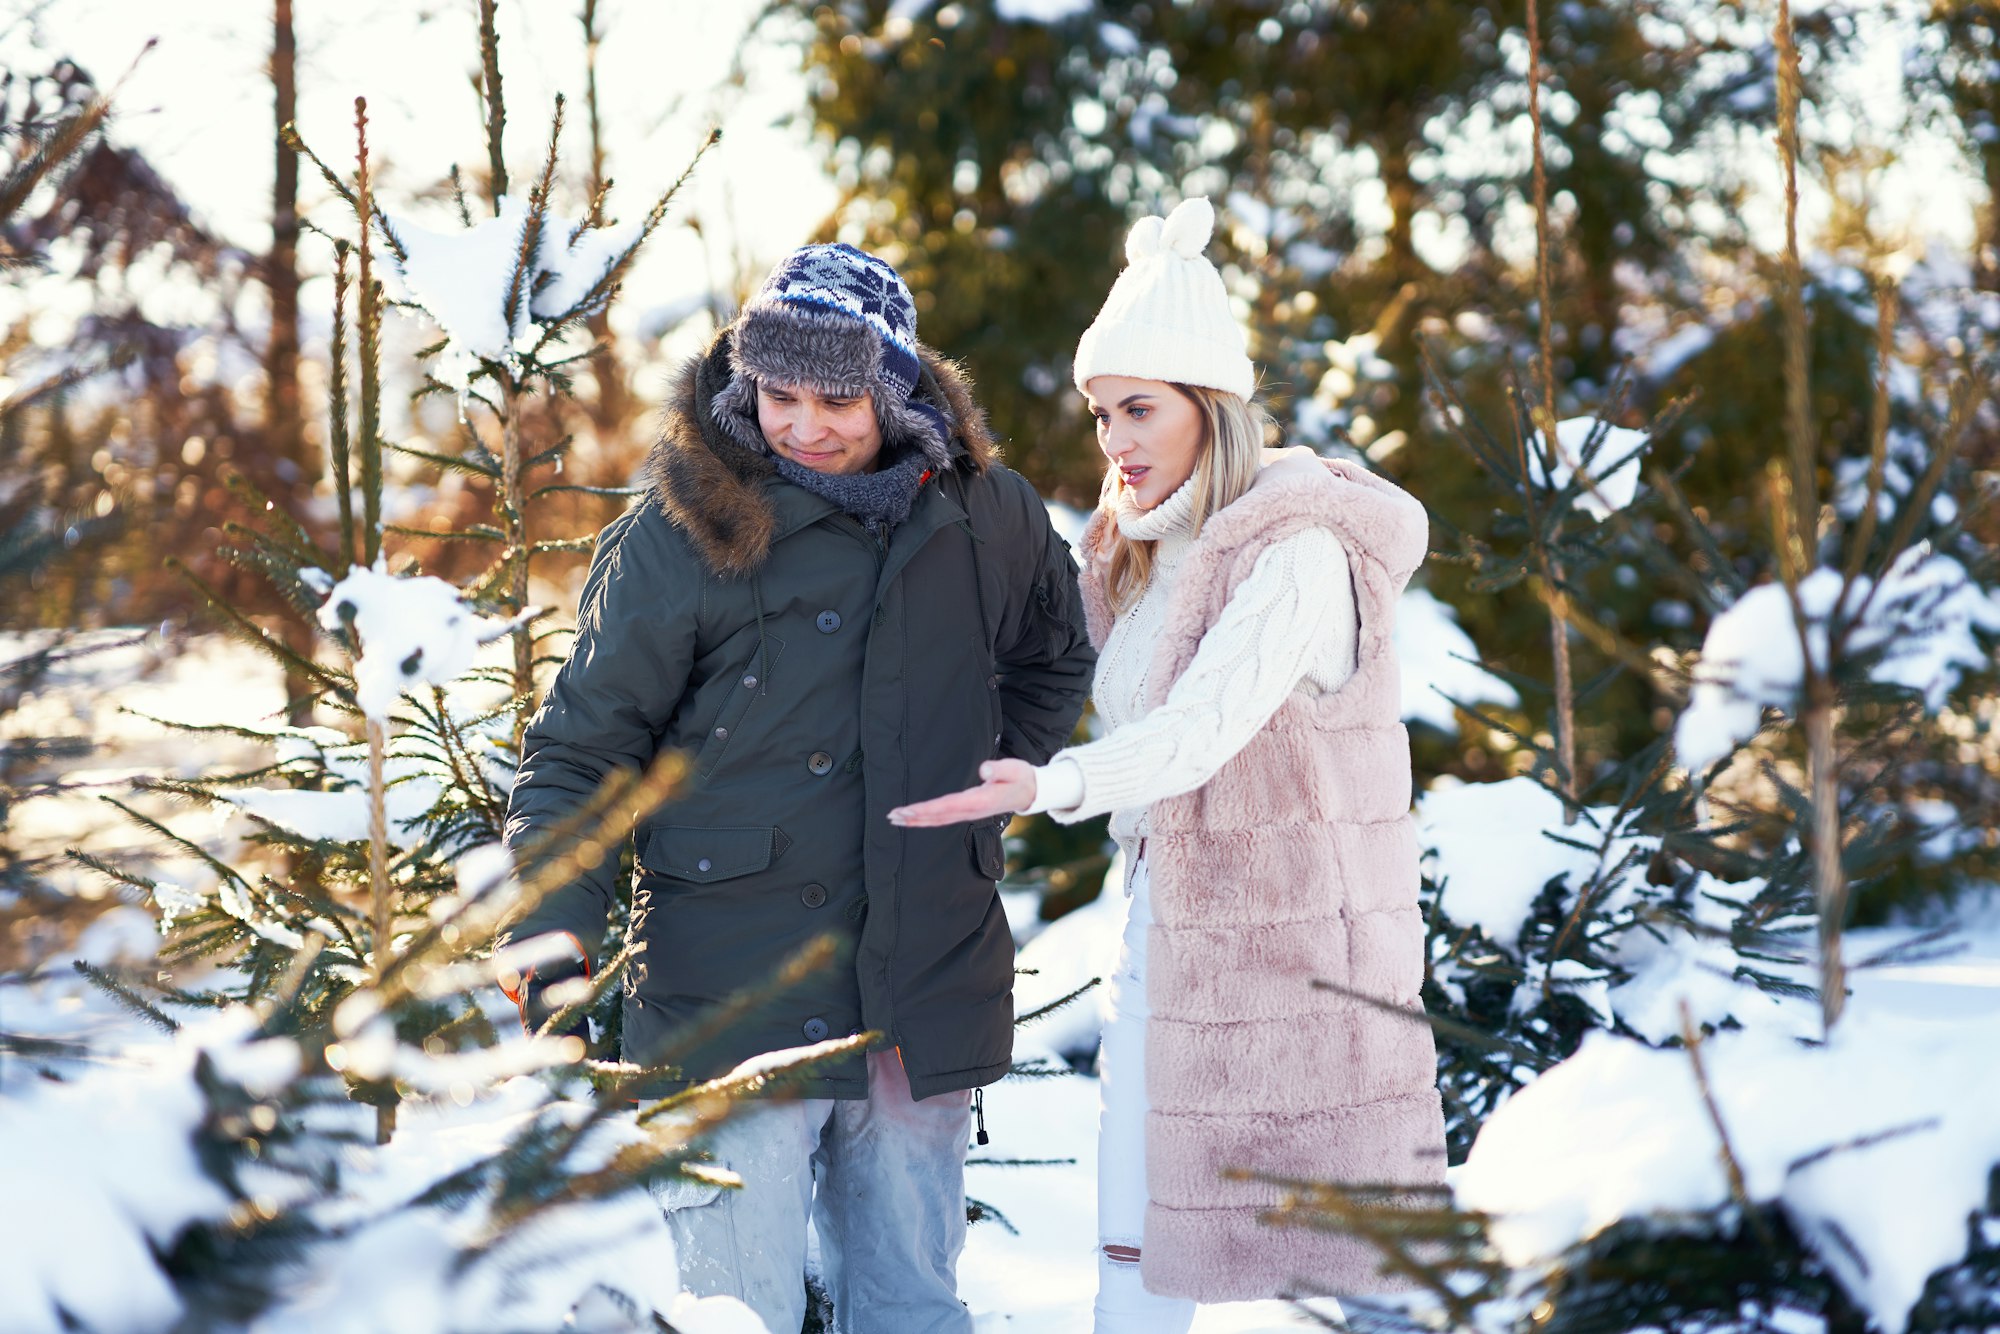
(1234, 432)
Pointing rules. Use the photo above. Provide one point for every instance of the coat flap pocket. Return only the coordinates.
(706, 855)
(989, 850)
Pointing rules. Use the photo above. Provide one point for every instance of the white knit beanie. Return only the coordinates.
(1168, 315)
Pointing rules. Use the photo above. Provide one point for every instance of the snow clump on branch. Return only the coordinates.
(1876, 1145)
(1608, 456)
(463, 280)
(1924, 623)
(413, 632)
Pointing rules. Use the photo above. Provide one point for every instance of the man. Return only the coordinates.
(834, 601)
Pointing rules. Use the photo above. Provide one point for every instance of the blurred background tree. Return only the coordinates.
(1370, 162)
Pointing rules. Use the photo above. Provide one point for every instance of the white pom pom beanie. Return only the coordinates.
(1168, 315)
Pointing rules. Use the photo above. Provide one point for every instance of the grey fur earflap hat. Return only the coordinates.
(839, 321)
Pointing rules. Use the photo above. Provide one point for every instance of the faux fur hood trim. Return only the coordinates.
(712, 486)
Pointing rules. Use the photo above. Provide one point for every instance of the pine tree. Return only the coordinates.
(334, 984)
(1738, 845)
(37, 527)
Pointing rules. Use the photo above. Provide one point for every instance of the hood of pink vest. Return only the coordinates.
(1373, 517)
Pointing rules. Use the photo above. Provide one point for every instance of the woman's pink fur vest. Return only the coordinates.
(1297, 862)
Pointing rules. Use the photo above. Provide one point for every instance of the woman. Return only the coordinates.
(1258, 778)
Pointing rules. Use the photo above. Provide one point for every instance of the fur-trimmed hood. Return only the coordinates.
(714, 488)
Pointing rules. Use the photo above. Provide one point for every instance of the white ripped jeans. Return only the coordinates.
(1123, 1304)
(882, 1178)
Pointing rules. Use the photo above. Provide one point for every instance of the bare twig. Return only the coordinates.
(1565, 688)
(1732, 1166)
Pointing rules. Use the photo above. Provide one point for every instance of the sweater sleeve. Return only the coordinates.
(1295, 612)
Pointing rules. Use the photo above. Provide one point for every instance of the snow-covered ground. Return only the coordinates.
(1033, 1273)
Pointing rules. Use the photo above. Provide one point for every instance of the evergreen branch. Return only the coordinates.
(1720, 567)
(576, 846)
(208, 729)
(558, 450)
(1488, 451)
(339, 468)
(1732, 1166)
(979, 1211)
(1043, 1071)
(194, 850)
(600, 985)
(296, 541)
(258, 637)
(481, 588)
(601, 291)
(525, 259)
(1916, 506)
(449, 462)
(477, 532)
(125, 996)
(1385, 1217)
(618, 492)
(465, 767)
(277, 562)
(368, 328)
(1462, 1033)
(733, 1086)
(290, 983)
(29, 1047)
(814, 956)
(496, 105)
(549, 544)
(458, 198)
(48, 386)
(297, 144)
(1861, 1142)
(552, 369)
(1056, 1004)
(1608, 642)
(59, 146)
(177, 787)
(110, 872)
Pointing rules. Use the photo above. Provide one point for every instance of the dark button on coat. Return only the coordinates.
(704, 626)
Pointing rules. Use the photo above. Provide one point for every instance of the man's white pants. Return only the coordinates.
(883, 1180)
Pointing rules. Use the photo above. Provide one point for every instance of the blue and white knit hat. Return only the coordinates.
(840, 321)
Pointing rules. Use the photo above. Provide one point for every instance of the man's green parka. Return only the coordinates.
(816, 677)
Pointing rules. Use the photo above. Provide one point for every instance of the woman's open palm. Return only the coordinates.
(1008, 786)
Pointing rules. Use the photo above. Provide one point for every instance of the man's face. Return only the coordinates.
(825, 433)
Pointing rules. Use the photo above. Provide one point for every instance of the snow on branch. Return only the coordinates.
(1605, 458)
(1440, 664)
(1921, 629)
(462, 279)
(1876, 1145)
(1495, 846)
(413, 632)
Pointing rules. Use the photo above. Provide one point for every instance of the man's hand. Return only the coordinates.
(1009, 786)
(535, 1005)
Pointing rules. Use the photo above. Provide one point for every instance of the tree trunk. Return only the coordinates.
(381, 903)
(288, 469)
(1986, 261)
(1404, 197)
(608, 413)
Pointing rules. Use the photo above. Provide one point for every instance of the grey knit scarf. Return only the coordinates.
(879, 499)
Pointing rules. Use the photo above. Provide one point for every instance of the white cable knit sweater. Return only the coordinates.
(1292, 625)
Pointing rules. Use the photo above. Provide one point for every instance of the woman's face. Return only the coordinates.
(1150, 432)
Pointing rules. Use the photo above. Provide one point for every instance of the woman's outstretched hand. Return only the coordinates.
(1008, 786)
